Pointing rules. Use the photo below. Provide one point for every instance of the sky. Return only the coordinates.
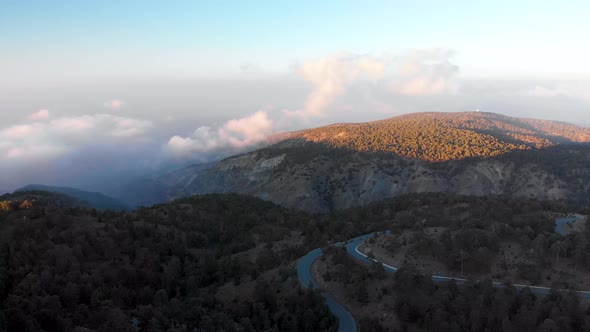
(93, 91)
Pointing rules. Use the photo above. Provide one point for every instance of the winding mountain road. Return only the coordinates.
(560, 223)
(345, 318)
(352, 248)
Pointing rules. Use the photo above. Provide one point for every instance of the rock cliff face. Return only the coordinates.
(342, 165)
(322, 182)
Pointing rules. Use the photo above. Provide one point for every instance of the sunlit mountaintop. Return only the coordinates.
(447, 136)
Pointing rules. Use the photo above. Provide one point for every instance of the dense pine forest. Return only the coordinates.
(206, 263)
(504, 241)
(447, 136)
(210, 263)
(411, 301)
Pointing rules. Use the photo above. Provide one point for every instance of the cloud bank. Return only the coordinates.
(421, 72)
(39, 115)
(575, 90)
(42, 140)
(331, 77)
(425, 72)
(235, 134)
(114, 104)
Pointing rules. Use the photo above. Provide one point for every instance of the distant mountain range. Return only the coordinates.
(345, 165)
(37, 198)
(91, 199)
(160, 188)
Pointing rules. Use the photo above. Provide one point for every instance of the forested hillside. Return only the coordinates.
(93, 199)
(208, 263)
(34, 200)
(478, 239)
(447, 136)
(214, 262)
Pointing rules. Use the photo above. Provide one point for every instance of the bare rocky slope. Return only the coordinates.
(317, 171)
(334, 180)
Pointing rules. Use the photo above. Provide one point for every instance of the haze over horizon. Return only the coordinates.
(103, 91)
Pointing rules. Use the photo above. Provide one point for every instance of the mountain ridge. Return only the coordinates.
(93, 199)
(444, 136)
(312, 172)
(316, 174)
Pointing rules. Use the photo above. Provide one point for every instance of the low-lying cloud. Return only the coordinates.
(235, 134)
(114, 104)
(424, 72)
(421, 72)
(575, 90)
(40, 140)
(331, 77)
(39, 115)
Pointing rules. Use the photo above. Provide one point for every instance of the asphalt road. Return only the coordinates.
(352, 248)
(560, 223)
(345, 318)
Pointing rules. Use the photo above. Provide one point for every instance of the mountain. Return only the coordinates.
(446, 136)
(22, 200)
(152, 190)
(346, 165)
(93, 199)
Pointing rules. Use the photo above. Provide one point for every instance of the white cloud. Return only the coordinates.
(331, 77)
(33, 152)
(114, 104)
(424, 72)
(421, 72)
(235, 134)
(576, 90)
(41, 140)
(541, 91)
(39, 115)
(20, 131)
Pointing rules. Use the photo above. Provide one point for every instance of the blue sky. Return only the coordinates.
(199, 38)
(150, 83)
